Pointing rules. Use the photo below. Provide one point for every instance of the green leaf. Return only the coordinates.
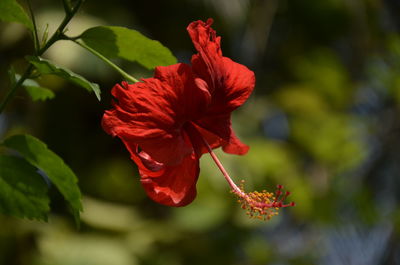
(11, 11)
(23, 192)
(33, 88)
(128, 44)
(47, 67)
(37, 153)
(39, 93)
(27, 82)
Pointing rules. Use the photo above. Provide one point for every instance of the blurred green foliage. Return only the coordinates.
(323, 121)
(12, 12)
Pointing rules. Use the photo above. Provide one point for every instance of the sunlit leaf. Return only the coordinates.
(47, 67)
(23, 192)
(37, 153)
(39, 93)
(128, 44)
(27, 82)
(11, 11)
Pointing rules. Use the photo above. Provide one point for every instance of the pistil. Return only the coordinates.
(261, 205)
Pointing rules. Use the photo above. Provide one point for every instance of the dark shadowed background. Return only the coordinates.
(324, 121)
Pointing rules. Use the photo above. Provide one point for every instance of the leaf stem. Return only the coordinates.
(99, 55)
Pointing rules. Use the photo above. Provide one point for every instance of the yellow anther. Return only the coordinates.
(262, 205)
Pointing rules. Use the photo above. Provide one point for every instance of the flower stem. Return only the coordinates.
(99, 55)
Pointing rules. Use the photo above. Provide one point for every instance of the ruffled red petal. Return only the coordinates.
(151, 113)
(177, 186)
(206, 132)
(218, 132)
(168, 185)
(230, 83)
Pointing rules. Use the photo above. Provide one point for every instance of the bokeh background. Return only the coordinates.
(324, 121)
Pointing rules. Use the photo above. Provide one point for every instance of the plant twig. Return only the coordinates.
(67, 6)
(57, 35)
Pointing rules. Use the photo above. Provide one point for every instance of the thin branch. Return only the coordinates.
(57, 35)
(67, 6)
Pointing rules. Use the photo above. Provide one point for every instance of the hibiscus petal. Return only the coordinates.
(151, 113)
(168, 185)
(140, 110)
(199, 135)
(235, 146)
(177, 186)
(237, 84)
(230, 83)
(217, 130)
(193, 94)
(204, 37)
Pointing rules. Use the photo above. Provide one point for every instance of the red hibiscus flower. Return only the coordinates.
(167, 122)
